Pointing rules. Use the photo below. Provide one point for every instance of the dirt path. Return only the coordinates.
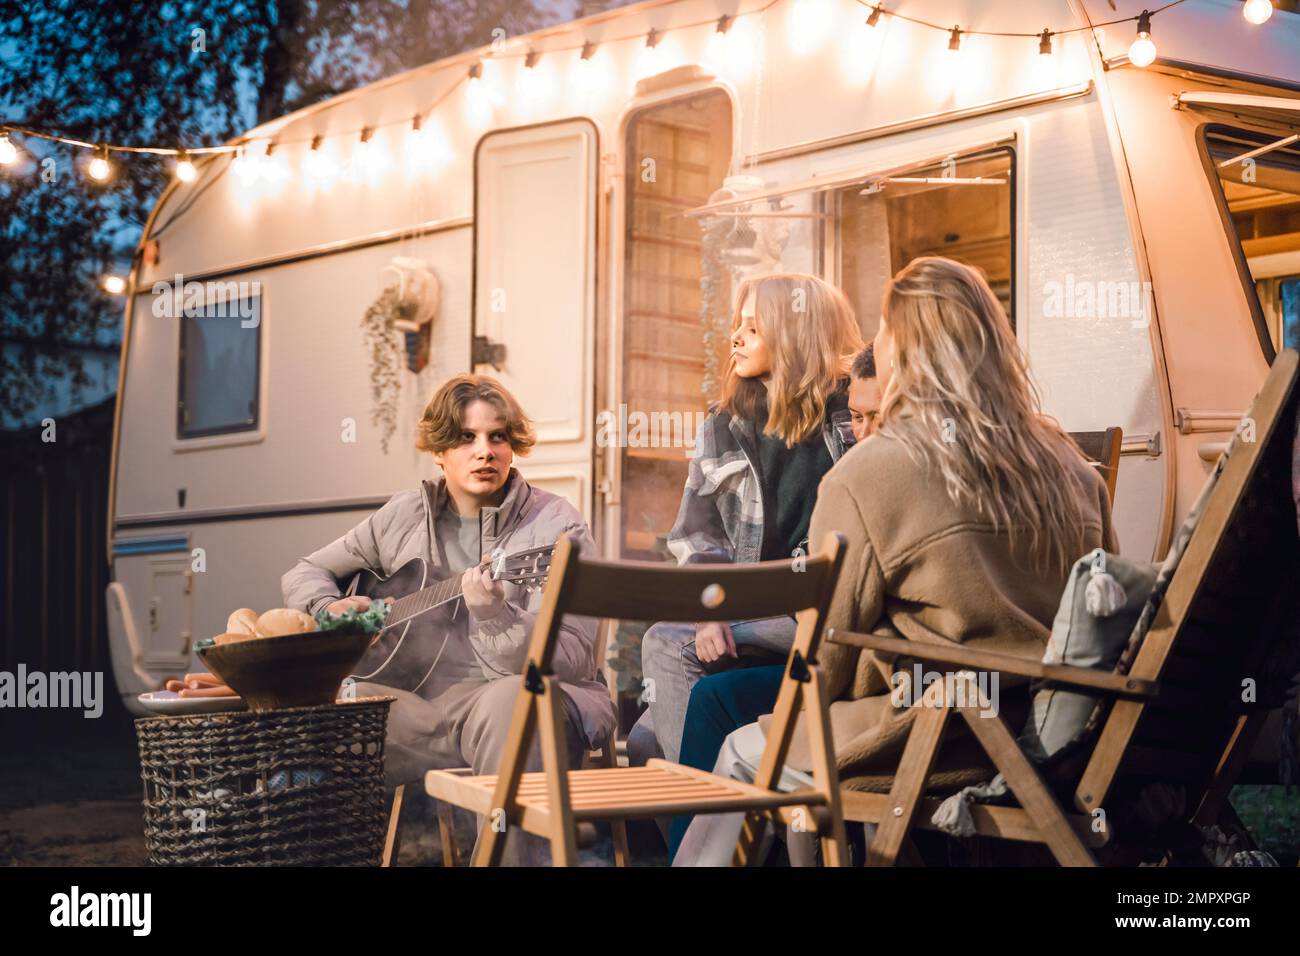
(74, 833)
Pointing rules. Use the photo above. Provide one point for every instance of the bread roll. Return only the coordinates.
(241, 621)
(282, 621)
(233, 638)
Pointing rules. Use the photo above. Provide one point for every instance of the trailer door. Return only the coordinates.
(534, 290)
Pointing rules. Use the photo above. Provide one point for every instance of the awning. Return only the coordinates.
(1280, 111)
(837, 180)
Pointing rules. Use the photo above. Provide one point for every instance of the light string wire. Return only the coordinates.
(487, 53)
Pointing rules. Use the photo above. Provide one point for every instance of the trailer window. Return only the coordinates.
(1261, 196)
(881, 226)
(220, 356)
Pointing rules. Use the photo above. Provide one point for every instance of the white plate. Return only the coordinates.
(170, 703)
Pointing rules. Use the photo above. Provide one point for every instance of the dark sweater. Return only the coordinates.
(789, 478)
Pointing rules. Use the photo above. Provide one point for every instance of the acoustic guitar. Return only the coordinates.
(414, 590)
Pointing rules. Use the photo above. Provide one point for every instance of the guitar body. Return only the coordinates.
(394, 657)
(404, 654)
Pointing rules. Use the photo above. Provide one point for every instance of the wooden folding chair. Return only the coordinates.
(606, 755)
(1103, 450)
(551, 802)
(1176, 715)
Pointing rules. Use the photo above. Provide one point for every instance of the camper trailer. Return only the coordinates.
(570, 210)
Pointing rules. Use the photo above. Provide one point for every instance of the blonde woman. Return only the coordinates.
(782, 421)
(963, 511)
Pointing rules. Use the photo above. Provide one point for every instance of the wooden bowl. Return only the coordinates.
(294, 670)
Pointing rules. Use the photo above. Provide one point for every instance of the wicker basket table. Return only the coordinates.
(302, 786)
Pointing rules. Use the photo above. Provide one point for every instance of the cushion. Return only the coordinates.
(1061, 717)
(1085, 638)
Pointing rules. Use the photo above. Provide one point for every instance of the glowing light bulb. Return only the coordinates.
(99, 168)
(533, 83)
(369, 161)
(272, 168)
(245, 167)
(1143, 50)
(478, 100)
(426, 147)
(113, 285)
(589, 77)
(1257, 11)
(185, 170)
(809, 23)
(8, 151)
(318, 168)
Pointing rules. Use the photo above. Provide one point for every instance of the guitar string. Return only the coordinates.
(453, 586)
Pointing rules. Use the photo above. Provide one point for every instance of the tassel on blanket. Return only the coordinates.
(1104, 595)
(954, 817)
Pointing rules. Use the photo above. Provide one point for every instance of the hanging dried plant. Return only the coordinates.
(715, 296)
(386, 345)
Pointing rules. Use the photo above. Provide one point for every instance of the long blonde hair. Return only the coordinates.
(812, 335)
(960, 399)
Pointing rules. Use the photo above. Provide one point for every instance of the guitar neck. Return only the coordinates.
(425, 599)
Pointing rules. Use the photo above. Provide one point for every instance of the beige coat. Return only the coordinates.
(919, 567)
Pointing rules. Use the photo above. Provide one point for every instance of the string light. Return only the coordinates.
(368, 159)
(533, 84)
(99, 168)
(478, 102)
(1141, 53)
(718, 47)
(1257, 11)
(1143, 50)
(113, 284)
(584, 71)
(317, 166)
(244, 166)
(185, 170)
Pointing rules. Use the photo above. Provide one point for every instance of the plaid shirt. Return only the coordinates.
(721, 515)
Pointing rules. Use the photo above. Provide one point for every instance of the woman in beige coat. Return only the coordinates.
(963, 512)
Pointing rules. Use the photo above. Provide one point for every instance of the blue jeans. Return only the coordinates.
(671, 670)
(721, 703)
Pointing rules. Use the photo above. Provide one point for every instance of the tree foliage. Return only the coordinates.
(175, 73)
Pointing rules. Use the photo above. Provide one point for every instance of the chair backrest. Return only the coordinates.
(646, 590)
(1214, 625)
(1103, 450)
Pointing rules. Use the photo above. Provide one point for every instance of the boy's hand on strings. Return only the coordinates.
(484, 596)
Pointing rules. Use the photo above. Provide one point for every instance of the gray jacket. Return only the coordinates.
(528, 517)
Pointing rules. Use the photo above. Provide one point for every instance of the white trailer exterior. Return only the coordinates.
(553, 210)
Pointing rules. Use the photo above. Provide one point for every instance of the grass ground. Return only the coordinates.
(73, 798)
(1272, 814)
